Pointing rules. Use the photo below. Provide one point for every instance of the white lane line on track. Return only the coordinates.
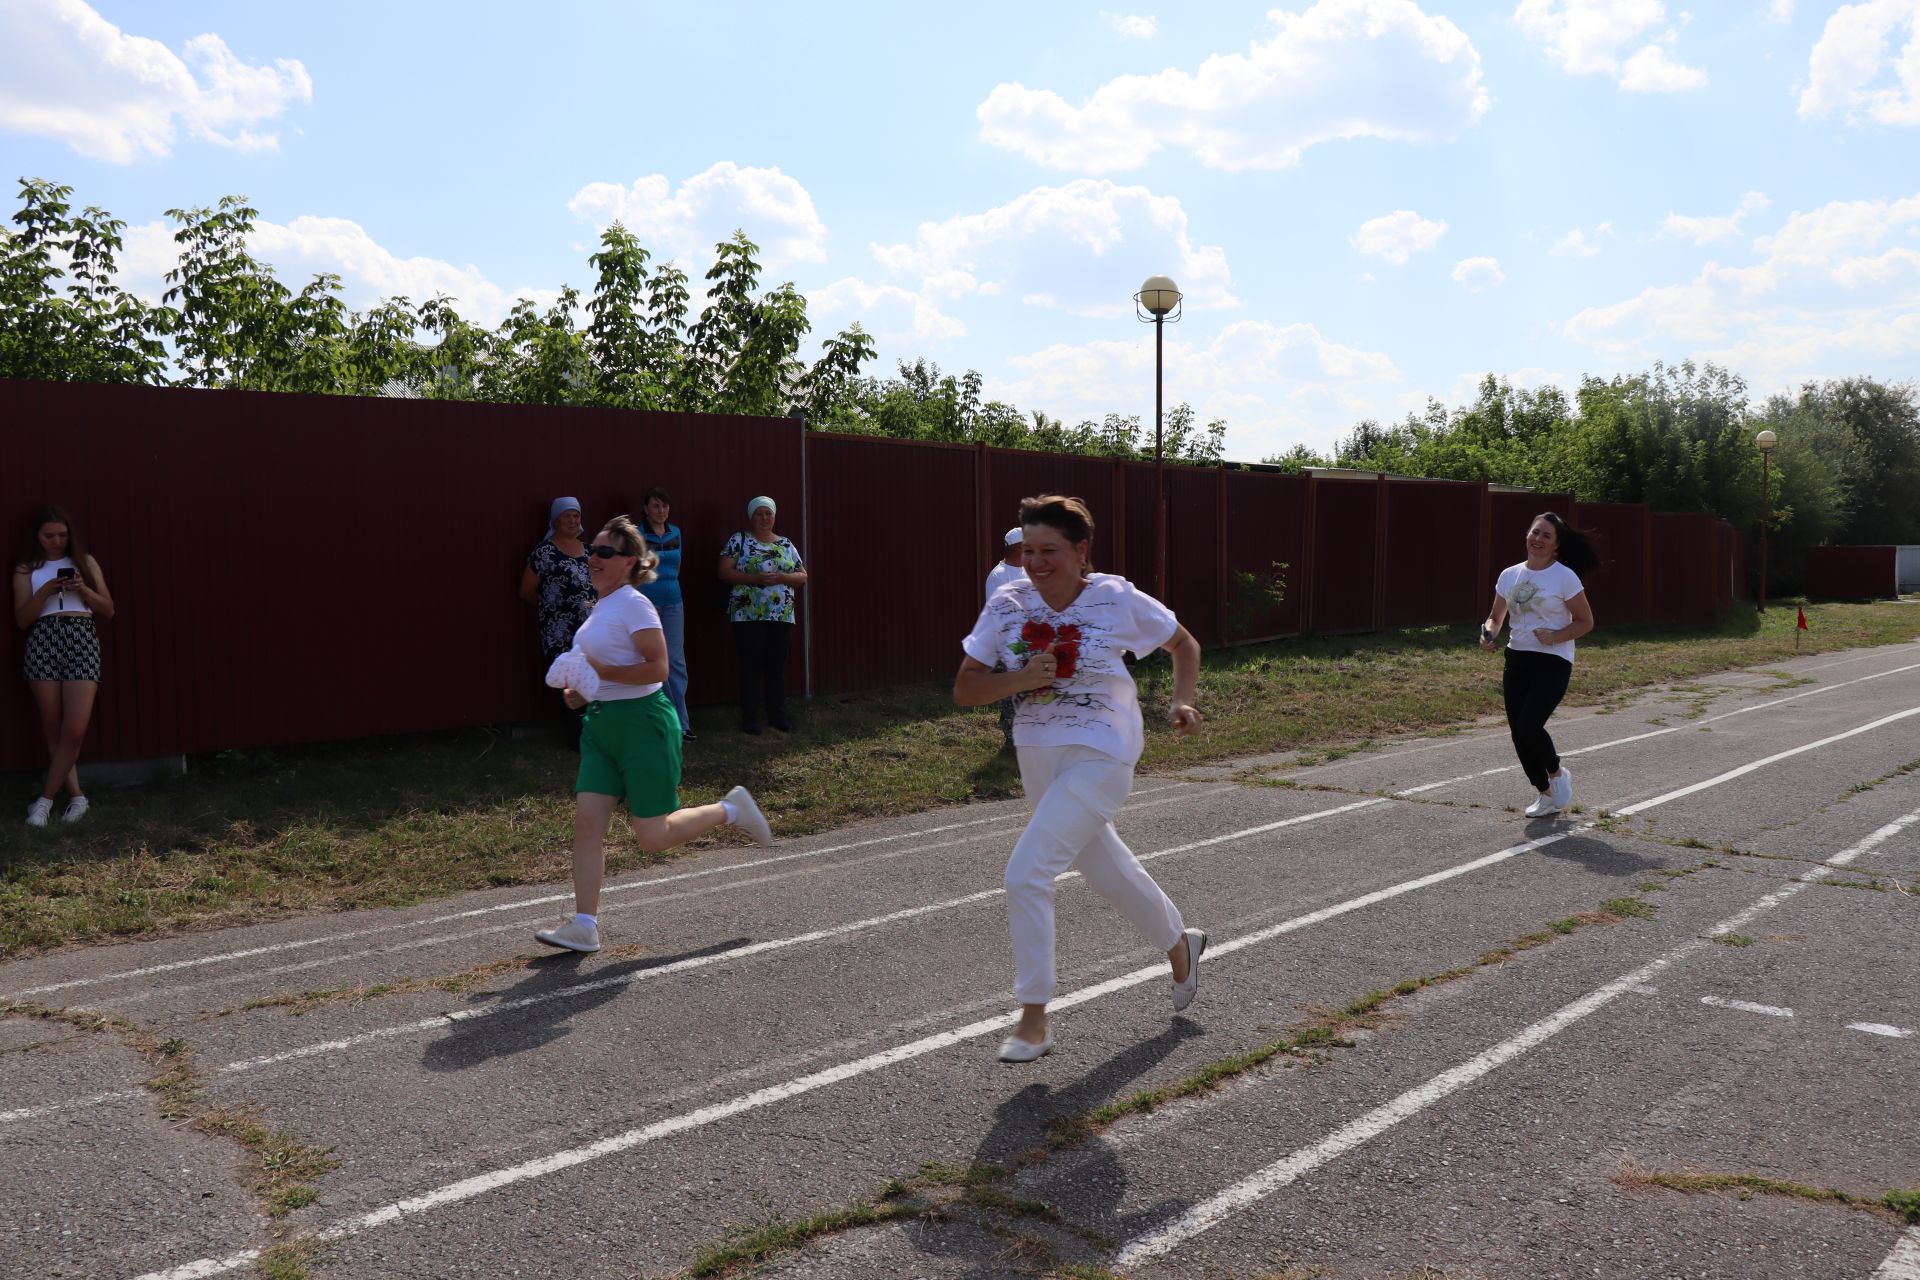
(1632, 809)
(1655, 733)
(1282, 1173)
(480, 1184)
(1881, 1029)
(1904, 1262)
(122, 1003)
(1374, 757)
(519, 904)
(1746, 1006)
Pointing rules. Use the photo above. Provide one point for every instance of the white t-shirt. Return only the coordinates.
(1537, 598)
(1003, 573)
(607, 635)
(60, 602)
(1092, 702)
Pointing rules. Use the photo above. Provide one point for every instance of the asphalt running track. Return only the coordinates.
(775, 1033)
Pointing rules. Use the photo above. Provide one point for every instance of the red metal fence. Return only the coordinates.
(1853, 573)
(304, 568)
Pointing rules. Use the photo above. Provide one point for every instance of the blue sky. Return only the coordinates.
(1367, 201)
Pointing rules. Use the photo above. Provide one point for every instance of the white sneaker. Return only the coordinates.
(1543, 807)
(748, 816)
(76, 809)
(1561, 788)
(37, 812)
(571, 935)
(1014, 1049)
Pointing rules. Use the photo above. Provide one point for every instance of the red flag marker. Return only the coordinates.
(1803, 620)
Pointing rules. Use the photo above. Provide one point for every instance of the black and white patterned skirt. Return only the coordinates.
(63, 646)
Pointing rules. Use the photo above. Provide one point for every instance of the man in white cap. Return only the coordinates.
(1011, 568)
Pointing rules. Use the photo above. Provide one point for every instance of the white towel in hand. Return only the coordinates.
(571, 670)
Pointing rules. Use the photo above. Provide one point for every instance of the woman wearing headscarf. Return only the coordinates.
(557, 584)
(763, 569)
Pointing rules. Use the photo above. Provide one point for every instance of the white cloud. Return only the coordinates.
(1397, 236)
(306, 246)
(1477, 275)
(1708, 230)
(67, 73)
(1273, 383)
(1136, 26)
(1578, 244)
(1342, 69)
(1590, 37)
(1082, 247)
(1850, 56)
(1466, 388)
(1781, 10)
(1834, 291)
(773, 209)
(896, 317)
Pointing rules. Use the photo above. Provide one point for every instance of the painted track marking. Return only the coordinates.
(481, 1184)
(1746, 1006)
(1290, 1169)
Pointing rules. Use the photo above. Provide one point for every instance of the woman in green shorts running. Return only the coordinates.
(630, 737)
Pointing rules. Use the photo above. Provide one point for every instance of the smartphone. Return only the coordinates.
(1486, 636)
(66, 573)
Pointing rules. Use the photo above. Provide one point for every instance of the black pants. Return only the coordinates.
(763, 669)
(1533, 684)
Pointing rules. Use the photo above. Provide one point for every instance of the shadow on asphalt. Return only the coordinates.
(1099, 1180)
(1593, 855)
(472, 1043)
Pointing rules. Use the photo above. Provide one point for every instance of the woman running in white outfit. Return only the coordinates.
(1060, 632)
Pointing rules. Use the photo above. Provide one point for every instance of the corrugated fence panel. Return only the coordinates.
(1345, 554)
(1433, 553)
(1853, 573)
(1014, 475)
(1264, 531)
(879, 503)
(1621, 531)
(1683, 568)
(299, 568)
(1193, 550)
(1136, 482)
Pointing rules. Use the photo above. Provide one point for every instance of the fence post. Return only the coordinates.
(806, 531)
(982, 515)
(1220, 554)
(1380, 551)
(1117, 540)
(1310, 519)
(1481, 589)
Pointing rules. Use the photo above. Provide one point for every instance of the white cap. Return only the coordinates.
(1015, 536)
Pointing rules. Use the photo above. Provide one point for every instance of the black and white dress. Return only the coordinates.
(565, 598)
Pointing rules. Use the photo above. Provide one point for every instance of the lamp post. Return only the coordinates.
(1765, 440)
(1158, 304)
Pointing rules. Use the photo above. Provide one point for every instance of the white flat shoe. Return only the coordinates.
(1183, 992)
(1544, 807)
(1014, 1049)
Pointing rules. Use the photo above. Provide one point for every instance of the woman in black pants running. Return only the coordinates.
(1547, 604)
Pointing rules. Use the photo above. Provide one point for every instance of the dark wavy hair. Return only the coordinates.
(1576, 550)
(1056, 511)
(31, 554)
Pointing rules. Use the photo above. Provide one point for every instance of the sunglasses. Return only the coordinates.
(601, 551)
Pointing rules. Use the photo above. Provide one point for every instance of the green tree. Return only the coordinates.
(63, 316)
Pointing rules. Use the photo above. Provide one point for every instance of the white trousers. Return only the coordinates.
(1076, 792)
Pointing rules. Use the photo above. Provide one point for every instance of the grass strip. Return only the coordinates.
(1895, 1206)
(253, 835)
(282, 1170)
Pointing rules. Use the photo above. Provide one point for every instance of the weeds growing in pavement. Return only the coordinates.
(1859, 788)
(282, 1169)
(258, 834)
(1896, 1206)
(1733, 939)
(981, 1187)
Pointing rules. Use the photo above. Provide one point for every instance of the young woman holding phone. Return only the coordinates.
(58, 593)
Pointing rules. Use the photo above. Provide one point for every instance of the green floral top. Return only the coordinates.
(750, 555)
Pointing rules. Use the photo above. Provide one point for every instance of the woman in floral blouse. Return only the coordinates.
(557, 584)
(763, 569)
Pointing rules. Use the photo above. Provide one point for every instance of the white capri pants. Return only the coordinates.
(1076, 792)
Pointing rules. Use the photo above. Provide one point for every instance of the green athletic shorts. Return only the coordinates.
(630, 749)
